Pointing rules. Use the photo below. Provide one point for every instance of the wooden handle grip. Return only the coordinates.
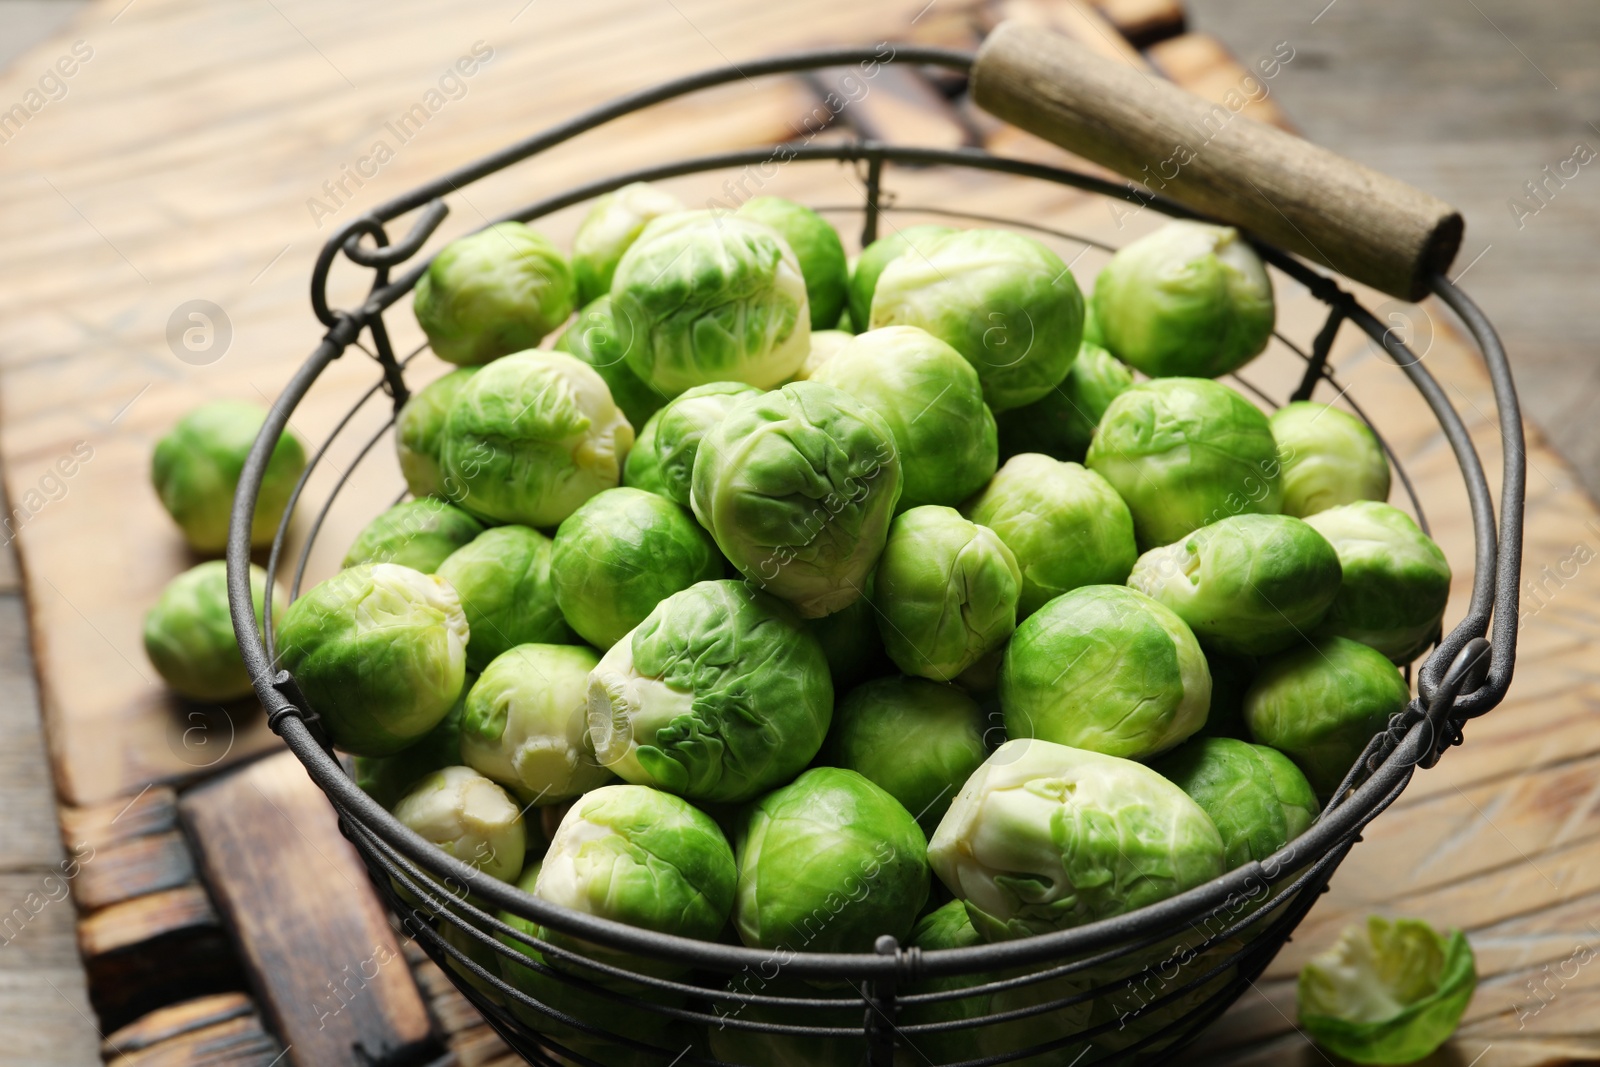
(1291, 193)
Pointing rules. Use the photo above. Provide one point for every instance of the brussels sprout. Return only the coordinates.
(1004, 301)
(622, 553)
(1250, 585)
(507, 592)
(492, 293)
(596, 339)
(797, 487)
(1231, 677)
(613, 223)
(189, 637)
(419, 431)
(1321, 704)
(711, 299)
(196, 466)
(379, 651)
(1045, 837)
(557, 986)
(1185, 452)
(532, 437)
(1391, 993)
(638, 856)
(470, 818)
(388, 778)
(931, 399)
(526, 726)
(816, 247)
(1107, 669)
(1258, 798)
(1330, 458)
(729, 1044)
(870, 728)
(1190, 300)
(828, 863)
(1062, 424)
(420, 534)
(1396, 580)
(825, 344)
(949, 927)
(719, 695)
(945, 591)
(666, 451)
(849, 640)
(1067, 527)
(878, 255)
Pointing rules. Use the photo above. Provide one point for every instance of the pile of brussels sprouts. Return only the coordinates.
(810, 602)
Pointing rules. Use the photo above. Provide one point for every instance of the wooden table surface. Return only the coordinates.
(187, 160)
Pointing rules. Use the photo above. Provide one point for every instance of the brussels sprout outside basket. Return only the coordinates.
(1166, 970)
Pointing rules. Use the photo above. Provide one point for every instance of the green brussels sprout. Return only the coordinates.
(492, 293)
(816, 247)
(870, 728)
(1321, 704)
(1390, 993)
(196, 467)
(555, 988)
(849, 640)
(1396, 580)
(419, 431)
(1231, 677)
(613, 223)
(1063, 423)
(666, 451)
(1185, 452)
(1004, 301)
(642, 857)
(709, 298)
(420, 534)
(798, 487)
(1045, 837)
(719, 695)
(1330, 457)
(531, 437)
(594, 337)
(1108, 669)
(828, 863)
(388, 778)
(379, 651)
(189, 637)
(729, 1044)
(825, 344)
(643, 467)
(525, 724)
(1065, 524)
(1249, 585)
(1190, 300)
(946, 592)
(622, 553)
(878, 255)
(470, 818)
(933, 403)
(507, 592)
(1257, 797)
(949, 927)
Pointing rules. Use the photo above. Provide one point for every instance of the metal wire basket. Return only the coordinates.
(1160, 995)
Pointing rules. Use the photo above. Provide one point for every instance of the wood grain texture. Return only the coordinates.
(1304, 198)
(312, 937)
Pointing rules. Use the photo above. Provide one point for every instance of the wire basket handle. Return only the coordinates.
(1297, 195)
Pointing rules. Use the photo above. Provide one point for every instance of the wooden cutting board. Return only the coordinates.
(187, 161)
